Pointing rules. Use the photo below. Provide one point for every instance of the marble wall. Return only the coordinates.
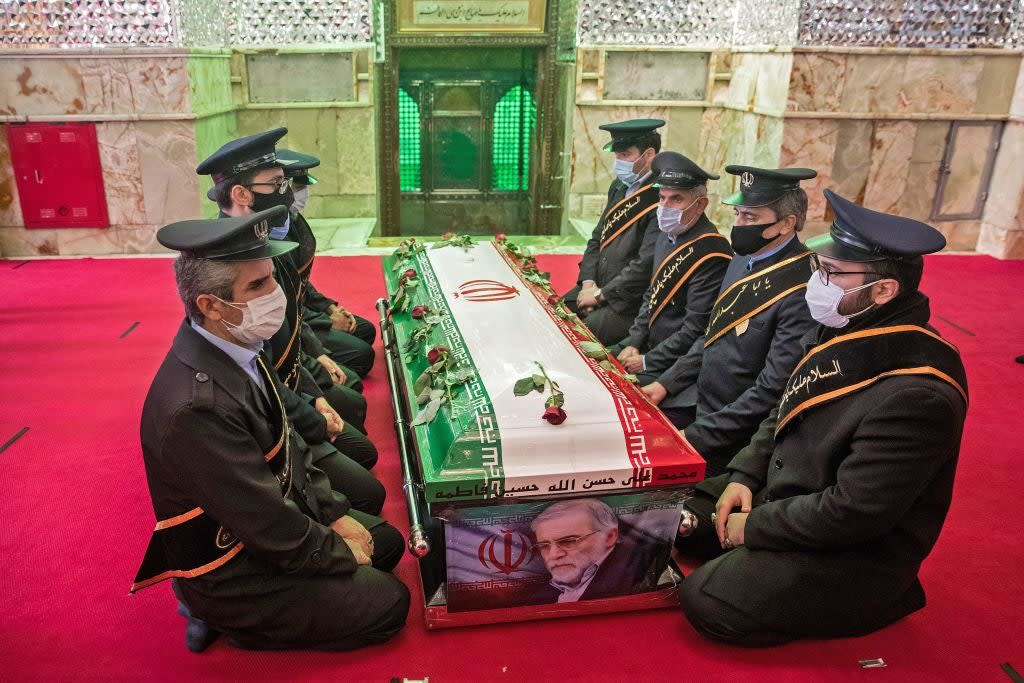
(141, 105)
(1002, 223)
(736, 119)
(874, 123)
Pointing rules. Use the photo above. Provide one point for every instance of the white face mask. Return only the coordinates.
(261, 318)
(299, 203)
(670, 220)
(280, 232)
(823, 301)
(623, 170)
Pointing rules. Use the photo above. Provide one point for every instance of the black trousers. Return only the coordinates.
(282, 612)
(607, 325)
(353, 349)
(719, 620)
(349, 478)
(357, 446)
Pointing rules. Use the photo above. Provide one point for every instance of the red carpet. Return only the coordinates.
(76, 515)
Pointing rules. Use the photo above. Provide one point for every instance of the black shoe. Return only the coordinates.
(198, 634)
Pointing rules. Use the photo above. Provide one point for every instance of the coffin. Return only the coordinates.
(483, 466)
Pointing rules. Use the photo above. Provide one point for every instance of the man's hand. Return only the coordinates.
(587, 287)
(337, 376)
(633, 364)
(342, 320)
(627, 352)
(354, 533)
(357, 551)
(734, 526)
(655, 392)
(735, 495)
(586, 301)
(335, 425)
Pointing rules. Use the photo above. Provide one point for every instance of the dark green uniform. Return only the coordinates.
(852, 473)
(685, 314)
(731, 386)
(295, 584)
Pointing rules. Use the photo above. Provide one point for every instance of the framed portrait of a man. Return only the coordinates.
(564, 551)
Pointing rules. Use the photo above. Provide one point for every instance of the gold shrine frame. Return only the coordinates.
(471, 16)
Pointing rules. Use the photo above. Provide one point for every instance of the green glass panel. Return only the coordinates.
(515, 116)
(408, 143)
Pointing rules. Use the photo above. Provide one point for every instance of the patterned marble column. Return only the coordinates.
(1002, 225)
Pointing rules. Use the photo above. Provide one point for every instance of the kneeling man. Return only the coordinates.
(821, 524)
(260, 547)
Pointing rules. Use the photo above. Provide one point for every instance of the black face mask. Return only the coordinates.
(746, 239)
(262, 202)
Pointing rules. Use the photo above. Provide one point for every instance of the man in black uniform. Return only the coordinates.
(348, 338)
(733, 374)
(822, 522)
(616, 266)
(259, 544)
(690, 259)
(249, 178)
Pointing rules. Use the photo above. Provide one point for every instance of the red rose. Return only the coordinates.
(501, 237)
(554, 415)
(434, 354)
(448, 235)
(409, 274)
(419, 311)
(411, 240)
(554, 299)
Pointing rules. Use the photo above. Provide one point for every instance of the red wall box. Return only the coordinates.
(57, 168)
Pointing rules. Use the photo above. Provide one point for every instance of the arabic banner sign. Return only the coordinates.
(554, 552)
(475, 16)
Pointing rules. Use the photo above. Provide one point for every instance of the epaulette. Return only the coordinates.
(202, 391)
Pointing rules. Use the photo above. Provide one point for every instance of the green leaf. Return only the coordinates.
(539, 381)
(556, 400)
(428, 413)
(461, 375)
(423, 396)
(436, 393)
(594, 350)
(523, 386)
(632, 378)
(607, 366)
(422, 382)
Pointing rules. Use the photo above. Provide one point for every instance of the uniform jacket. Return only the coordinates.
(205, 429)
(736, 382)
(858, 488)
(683, 320)
(622, 270)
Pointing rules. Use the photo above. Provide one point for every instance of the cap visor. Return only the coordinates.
(746, 199)
(271, 249)
(735, 199)
(825, 245)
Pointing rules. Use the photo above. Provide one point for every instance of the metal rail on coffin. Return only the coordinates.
(513, 518)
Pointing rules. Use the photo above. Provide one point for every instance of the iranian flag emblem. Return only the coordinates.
(485, 290)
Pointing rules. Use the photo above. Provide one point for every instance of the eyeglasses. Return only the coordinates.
(564, 543)
(280, 185)
(818, 267)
